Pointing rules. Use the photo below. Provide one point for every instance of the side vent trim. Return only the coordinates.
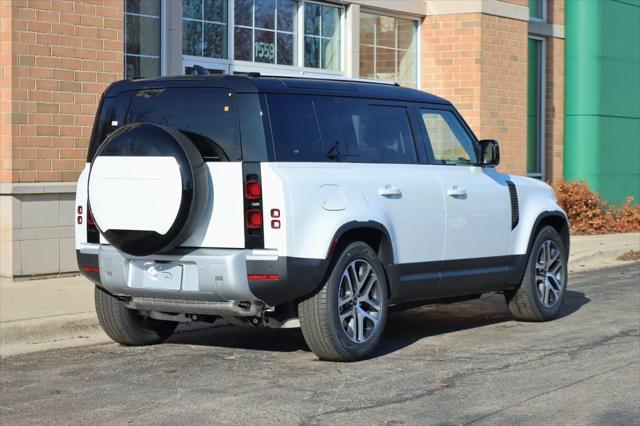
(515, 207)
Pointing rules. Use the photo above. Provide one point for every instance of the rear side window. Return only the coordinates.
(207, 116)
(296, 135)
(377, 133)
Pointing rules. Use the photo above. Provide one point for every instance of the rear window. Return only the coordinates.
(207, 116)
(296, 134)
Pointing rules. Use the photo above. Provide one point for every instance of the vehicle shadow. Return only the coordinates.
(402, 330)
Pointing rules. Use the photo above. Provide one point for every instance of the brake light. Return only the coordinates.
(263, 277)
(94, 269)
(252, 190)
(254, 219)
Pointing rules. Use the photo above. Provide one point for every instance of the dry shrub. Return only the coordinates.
(589, 214)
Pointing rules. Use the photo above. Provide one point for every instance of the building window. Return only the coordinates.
(265, 31)
(142, 38)
(388, 49)
(537, 9)
(204, 28)
(321, 36)
(535, 108)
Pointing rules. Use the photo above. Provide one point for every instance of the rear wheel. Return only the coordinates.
(126, 326)
(540, 296)
(345, 320)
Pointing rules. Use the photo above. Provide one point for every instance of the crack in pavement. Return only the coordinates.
(452, 379)
(568, 385)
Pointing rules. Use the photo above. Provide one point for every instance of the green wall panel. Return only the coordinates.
(602, 104)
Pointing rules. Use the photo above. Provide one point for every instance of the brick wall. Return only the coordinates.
(555, 11)
(63, 55)
(504, 89)
(6, 43)
(479, 62)
(451, 61)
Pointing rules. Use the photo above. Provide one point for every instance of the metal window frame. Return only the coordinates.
(542, 118)
(163, 31)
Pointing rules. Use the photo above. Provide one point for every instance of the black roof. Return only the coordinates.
(289, 85)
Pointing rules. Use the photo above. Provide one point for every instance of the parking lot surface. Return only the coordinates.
(465, 363)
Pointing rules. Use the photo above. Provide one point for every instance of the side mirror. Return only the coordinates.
(489, 152)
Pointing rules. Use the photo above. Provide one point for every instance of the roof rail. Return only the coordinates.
(322, 77)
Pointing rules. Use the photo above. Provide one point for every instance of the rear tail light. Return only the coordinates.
(90, 220)
(254, 219)
(252, 190)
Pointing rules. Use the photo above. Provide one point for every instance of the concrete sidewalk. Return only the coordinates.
(51, 313)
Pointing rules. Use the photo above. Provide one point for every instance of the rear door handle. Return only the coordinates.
(389, 191)
(456, 192)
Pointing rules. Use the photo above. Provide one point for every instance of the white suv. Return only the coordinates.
(290, 202)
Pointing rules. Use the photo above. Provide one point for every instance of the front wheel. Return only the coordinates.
(345, 320)
(543, 288)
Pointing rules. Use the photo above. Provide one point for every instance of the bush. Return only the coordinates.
(589, 214)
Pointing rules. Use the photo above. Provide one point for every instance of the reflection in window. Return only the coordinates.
(142, 38)
(449, 142)
(206, 115)
(388, 49)
(321, 36)
(377, 133)
(265, 31)
(204, 28)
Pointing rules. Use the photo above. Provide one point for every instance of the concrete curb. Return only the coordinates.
(35, 335)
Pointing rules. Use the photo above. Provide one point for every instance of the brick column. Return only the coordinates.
(478, 60)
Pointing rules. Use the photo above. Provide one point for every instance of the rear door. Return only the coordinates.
(209, 118)
(397, 184)
(477, 203)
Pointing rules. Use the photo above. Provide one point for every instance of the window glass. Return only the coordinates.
(204, 28)
(450, 143)
(377, 133)
(536, 9)
(265, 31)
(207, 116)
(535, 123)
(296, 136)
(142, 38)
(388, 49)
(322, 36)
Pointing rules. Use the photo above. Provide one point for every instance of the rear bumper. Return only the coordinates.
(212, 279)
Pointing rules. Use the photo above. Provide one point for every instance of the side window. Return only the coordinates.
(207, 116)
(450, 143)
(378, 133)
(296, 136)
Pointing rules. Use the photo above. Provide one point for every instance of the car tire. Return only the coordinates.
(543, 288)
(126, 326)
(345, 320)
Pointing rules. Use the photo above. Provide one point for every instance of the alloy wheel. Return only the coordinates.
(550, 274)
(359, 307)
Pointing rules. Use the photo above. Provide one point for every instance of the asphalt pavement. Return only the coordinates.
(465, 363)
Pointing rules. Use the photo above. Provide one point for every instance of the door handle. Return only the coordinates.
(389, 191)
(456, 192)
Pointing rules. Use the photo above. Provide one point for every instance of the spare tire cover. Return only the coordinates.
(148, 188)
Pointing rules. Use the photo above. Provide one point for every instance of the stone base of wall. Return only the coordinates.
(37, 229)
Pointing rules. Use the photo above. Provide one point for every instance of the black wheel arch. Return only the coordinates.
(556, 220)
